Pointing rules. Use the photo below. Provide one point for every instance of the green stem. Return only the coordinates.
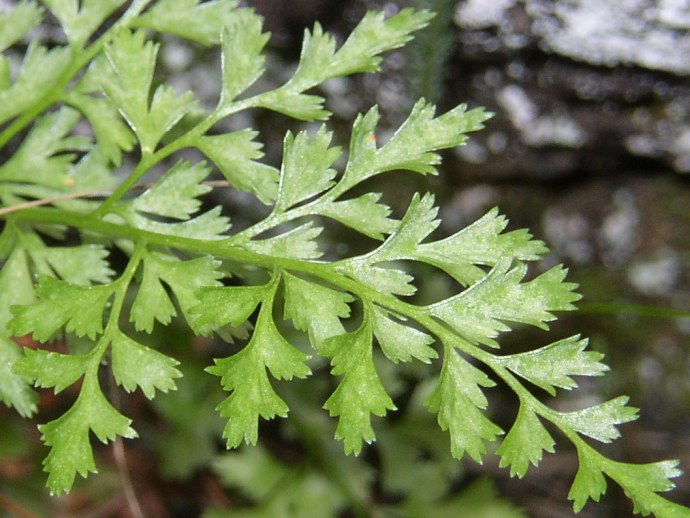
(229, 249)
(111, 327)
(146, 162)
(123, 284)
(275, 219)
(186, 140)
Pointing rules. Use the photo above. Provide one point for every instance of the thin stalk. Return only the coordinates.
(85, 195)
(15, 508)
(140, 170)
(4, 211)
(120, 456)
(113, 320)
(228, 249)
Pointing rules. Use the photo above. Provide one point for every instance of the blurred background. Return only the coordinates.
(589, 148)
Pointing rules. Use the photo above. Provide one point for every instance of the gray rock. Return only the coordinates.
(607, 78)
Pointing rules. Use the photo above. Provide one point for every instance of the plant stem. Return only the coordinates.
(15, 508)
(118, 446)
(121, 462)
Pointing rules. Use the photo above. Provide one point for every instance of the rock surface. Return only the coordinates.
(606, 77)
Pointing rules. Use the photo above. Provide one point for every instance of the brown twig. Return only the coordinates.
(121, 462)
(15, 508)
(107, 508)
(127, 486)
(49, 201)
(86, 194)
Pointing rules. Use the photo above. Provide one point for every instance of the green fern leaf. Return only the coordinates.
(599, 421)
(78, 308)
(525, 443)
(306, 169)
(642, 481)
(90, 173)
(363, 214)
(82, 265)
(405, 150)
(208, 225)
(553, 365)
(235, 154)
(480, 243)
(80, 21)
(460, 404)
(68, 436)
(252, 397)
(360, 392)
(219, 306)
(185, 279)
(401, 343)
(16, 283)
(132, 61)
(297, 243)
(242, 62)
(15, 389)
(478, 313)
(419, 221)
(152, 302)
(319, 61)
(386, 280)
(175, 197)
(413, 146)
(112, 134)
(294, 104)
(244, 375)
(176, 194)
(199, 21)
(135, 365)
(316, 309)
(16, 23)
(40, 72)
(49, 369)
(46, 154)
(72, 193)
(361, 51)
(589, 481)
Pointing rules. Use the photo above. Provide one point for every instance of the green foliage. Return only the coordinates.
(14, 389)
(68, 434)
(183, 265)
(132, 60)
